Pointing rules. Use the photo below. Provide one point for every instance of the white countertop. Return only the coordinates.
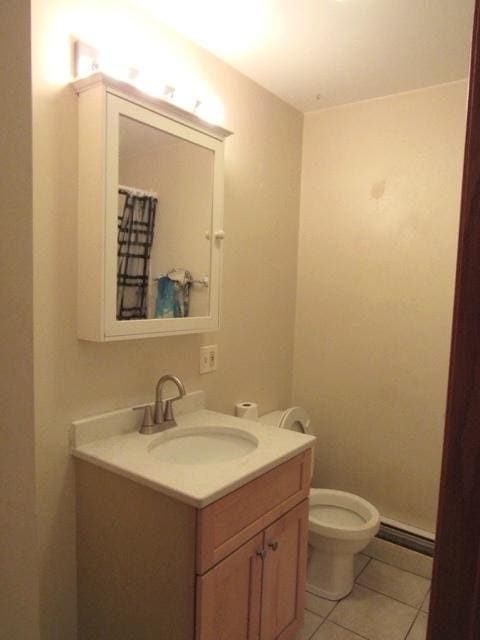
(127, 453)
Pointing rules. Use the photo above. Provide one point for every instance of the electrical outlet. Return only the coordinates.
(208, 358)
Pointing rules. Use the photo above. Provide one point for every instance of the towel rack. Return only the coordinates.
(133, 191)
(203, 281)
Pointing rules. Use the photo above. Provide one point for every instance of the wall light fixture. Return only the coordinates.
(88, 60)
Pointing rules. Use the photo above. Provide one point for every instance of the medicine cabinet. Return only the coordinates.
(150, 215)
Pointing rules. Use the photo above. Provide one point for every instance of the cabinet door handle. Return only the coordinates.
(273, 545)
(218, 235)
(262, 553)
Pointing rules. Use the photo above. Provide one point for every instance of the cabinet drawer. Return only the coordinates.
(229, 522)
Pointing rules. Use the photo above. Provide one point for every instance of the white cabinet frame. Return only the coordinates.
(101, 103)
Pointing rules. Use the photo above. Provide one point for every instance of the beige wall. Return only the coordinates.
(378, 235)
(18, 542)
(75, 379)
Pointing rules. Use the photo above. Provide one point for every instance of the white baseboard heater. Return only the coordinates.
(407, 537)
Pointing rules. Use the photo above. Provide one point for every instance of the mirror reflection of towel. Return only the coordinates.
(165, 304)
(173, 294)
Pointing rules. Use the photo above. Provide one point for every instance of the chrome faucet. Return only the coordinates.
(163, 417)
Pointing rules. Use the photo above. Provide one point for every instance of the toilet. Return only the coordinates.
(340, 524)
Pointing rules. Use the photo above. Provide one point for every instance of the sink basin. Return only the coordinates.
(202, 445)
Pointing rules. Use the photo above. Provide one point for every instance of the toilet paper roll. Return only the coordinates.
(248, 410)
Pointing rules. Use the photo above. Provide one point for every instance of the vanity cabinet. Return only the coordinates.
(256, 592)
(150, 215)
(153, 567)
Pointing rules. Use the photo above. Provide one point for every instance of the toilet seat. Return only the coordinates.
(341, 515)
(293, 418)
(296, 419)
(335, 516)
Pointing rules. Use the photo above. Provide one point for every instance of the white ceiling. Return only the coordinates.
(340, 50)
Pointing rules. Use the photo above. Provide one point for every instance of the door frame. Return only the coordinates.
(455, 597)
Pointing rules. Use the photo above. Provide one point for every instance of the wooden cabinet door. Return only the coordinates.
(284, 575)
(228, 596)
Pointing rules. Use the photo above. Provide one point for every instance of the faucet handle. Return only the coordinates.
(147, 422)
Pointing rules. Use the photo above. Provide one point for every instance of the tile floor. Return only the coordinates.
(386, 603)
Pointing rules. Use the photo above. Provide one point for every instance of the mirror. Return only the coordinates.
(165, 198)
(151, 203)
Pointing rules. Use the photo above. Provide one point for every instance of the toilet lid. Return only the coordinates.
(333, 516)
(295, 419)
